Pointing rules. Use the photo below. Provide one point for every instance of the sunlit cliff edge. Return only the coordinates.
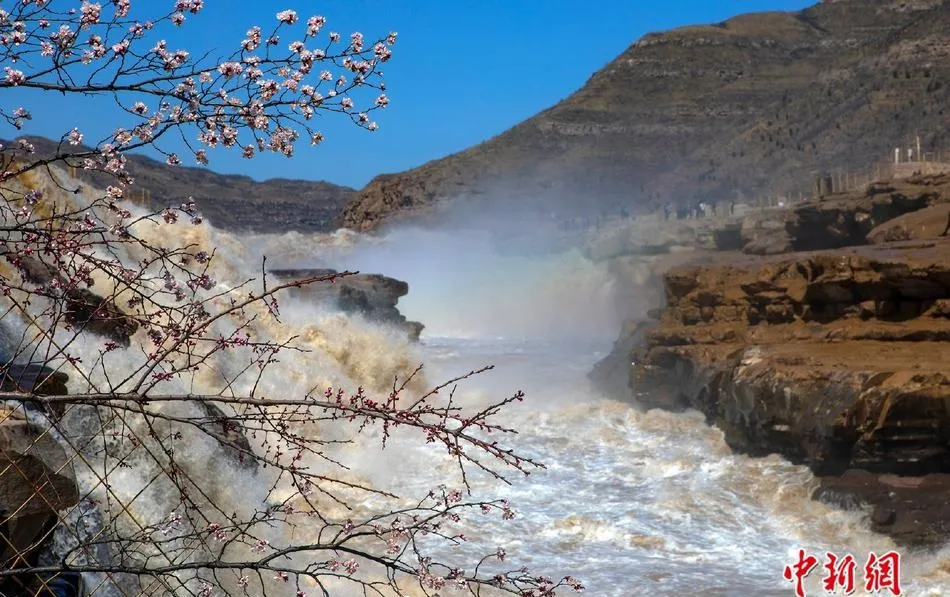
(818, 331)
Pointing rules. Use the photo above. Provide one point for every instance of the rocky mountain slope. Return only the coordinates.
(755, 105)
(231, 202)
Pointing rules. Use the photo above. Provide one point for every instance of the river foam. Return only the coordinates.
(631, 502)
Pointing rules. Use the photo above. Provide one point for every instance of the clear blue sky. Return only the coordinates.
(461, 73)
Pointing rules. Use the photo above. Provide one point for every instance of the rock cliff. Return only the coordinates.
(373, 296)
(834, 357)
(752, 106)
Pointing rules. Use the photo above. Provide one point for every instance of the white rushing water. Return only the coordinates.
(632, 503)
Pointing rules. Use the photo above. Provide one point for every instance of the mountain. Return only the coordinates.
(228, 201)
(757, 105)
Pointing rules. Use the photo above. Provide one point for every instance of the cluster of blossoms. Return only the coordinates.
(262, 97)
(254, 101)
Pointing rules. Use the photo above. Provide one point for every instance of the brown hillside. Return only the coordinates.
(229, 201)
(755, 105)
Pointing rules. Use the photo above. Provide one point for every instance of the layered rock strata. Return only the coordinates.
(831, 348)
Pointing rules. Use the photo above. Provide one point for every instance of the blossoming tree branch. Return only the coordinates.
(164, 360)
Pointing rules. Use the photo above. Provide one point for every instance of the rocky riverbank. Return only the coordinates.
(823, 339)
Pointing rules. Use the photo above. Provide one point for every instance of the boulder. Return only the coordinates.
(929, 222)
(32, 378)
(229, 432)
(373, 296)
(36, 481)
(92, 313)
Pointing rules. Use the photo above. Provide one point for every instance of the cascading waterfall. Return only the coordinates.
(633, 503)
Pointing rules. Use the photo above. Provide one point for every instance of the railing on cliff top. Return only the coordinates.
(834, 181)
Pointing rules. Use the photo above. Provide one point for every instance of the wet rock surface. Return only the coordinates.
(913, 510)
(373, 296)
(36, 481)
(32, 378)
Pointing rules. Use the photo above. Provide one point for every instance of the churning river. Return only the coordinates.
(632, 502)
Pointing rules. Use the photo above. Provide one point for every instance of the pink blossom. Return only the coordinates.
(287, 16)
(90, 13)
(230, 69)
(121, 48)
(314, 24)
(14, 76)
(122, 7)
(33, 196)
(75, 137)
(382, 52)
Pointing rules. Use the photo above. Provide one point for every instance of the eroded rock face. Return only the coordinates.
(878, 213)
(36, 480)
(910, 509)
(834, 359)
(373, 296)
(930, 222)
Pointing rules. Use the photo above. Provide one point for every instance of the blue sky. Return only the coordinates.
(462, 71)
